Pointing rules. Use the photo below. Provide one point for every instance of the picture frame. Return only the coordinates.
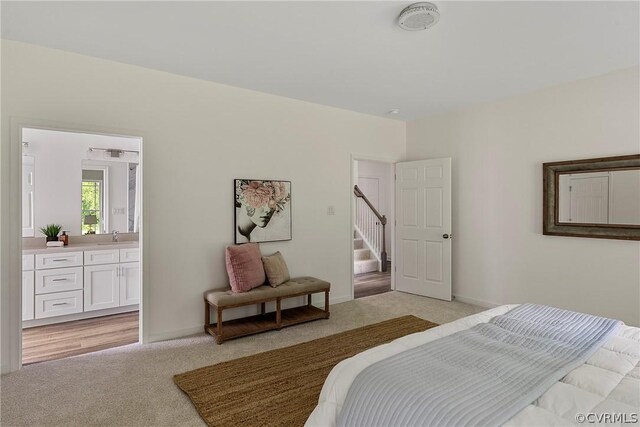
(262, 210)
(551, 173)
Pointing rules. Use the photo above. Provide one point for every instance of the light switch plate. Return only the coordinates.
(331, 210)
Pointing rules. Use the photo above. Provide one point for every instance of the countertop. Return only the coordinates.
(73, 247)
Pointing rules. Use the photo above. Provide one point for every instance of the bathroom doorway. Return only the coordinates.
(81, 252)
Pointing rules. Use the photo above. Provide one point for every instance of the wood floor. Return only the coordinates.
(52, 342)
(372, 283)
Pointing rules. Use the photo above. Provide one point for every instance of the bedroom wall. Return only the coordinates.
(499, 253)
(198, 137)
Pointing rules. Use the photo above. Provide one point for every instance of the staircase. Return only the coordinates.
(370, 253)
(363, 259)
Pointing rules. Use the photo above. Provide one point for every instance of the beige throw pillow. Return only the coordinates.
(276, 269)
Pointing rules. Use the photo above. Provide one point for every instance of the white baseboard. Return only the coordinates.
(478, 302)
(178, 333)
(339, 300)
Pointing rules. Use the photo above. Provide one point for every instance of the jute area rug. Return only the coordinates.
(281, 387)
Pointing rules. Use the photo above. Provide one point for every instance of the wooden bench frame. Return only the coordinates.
(264, 321)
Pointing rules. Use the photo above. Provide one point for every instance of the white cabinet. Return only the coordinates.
(28, 295)
(58, 260)
(101, 287)
(28, 262)
(69, 282)
(130, 255)
(108, 256)
(58, 304)
(129, 283)
(58, 280)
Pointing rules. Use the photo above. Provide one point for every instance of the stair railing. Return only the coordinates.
(372, 226)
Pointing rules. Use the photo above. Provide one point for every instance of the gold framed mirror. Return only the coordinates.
(597, 198)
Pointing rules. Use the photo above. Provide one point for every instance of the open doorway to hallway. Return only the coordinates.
(373, 221)
(81, 256)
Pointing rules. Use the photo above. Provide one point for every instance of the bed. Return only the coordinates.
(608, 383)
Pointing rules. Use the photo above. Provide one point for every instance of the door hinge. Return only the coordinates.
(570, 187)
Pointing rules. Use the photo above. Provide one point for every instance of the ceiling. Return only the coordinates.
(348, 54)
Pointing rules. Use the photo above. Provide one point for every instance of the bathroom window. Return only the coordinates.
(93, 205)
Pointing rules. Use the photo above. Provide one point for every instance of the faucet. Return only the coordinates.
(114, 236)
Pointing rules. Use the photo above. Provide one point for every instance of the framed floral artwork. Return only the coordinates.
(262, 210)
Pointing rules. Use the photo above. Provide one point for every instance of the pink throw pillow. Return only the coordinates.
(244, 267)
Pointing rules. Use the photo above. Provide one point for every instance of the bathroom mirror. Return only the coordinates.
(108, 197)
(593, 198)
(86, 183)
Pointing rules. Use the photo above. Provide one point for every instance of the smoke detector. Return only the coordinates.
(419, 16)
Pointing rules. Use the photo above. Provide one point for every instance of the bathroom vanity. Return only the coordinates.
(79, 281)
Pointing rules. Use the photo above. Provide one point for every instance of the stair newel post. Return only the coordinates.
(383, 253)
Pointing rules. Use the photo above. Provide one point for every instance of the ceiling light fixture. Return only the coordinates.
(393, 111)
(419, 16)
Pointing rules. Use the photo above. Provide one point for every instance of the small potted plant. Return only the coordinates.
(51, 231)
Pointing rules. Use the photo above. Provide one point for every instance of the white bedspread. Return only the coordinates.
(609, 382)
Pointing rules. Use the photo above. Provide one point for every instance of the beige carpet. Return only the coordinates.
(281, 387)
(133, 385)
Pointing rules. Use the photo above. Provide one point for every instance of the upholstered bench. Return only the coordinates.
(221, 299)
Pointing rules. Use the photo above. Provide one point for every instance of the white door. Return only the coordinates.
(423, 228)
(589, 198)
(129, 283)
(101, 287)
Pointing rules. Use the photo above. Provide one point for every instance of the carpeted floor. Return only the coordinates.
(133, 385)
(289, 379)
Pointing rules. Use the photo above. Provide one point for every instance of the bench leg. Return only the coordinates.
(278, 314)
(309, 299)
(207, 315)
(219, 338)
(326, 303)
(262, 308)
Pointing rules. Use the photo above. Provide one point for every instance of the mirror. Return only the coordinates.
(108, 197)
(593, 198)
(87, 183)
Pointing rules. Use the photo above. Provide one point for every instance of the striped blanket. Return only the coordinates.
(481, 376)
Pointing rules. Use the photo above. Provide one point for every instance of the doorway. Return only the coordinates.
(373, 216)
(81, 254)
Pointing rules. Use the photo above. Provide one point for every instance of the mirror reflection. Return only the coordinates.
(599, 197)
(108, 197)
(87, 183)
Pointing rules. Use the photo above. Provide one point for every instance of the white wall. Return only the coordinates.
(198, 137)
(499, 252)
(383, 172)
(58, 176)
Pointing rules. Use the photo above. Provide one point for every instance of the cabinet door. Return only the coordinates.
(28, 295)
(101, 287)
(28, 262)
(129, 283)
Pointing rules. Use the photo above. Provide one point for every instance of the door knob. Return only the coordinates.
(445, 236)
